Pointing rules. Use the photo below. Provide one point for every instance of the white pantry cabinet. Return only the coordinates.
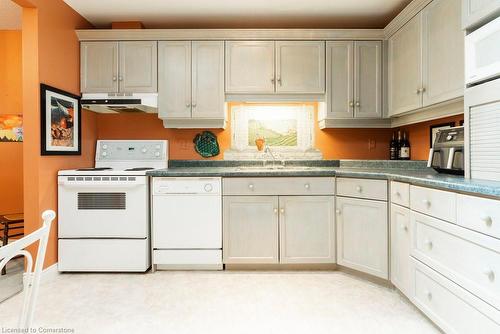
(307, 229)
(400, 248)
(362, 235)
(191, 82)
(250, 229)
(268, 67)
(354, 79)
(477, 12)
(118, 67)
(426, 59)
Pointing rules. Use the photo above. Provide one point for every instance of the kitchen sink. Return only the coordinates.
(275, 167)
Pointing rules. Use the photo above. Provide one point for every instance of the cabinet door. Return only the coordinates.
(99, 67)
(300, 67)
(174, 84)
(339, 84)
(443, 52)
(368, 79)
(400, 248)
(362, 235)
(250, 231)
(138, 67)
(249, 67)
(405, 67)
(475, 12)
(208, 79)
(307, 229)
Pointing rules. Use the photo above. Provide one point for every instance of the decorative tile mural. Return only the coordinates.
(11, 128)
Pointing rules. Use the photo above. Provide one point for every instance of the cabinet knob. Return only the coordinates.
(490, 274)
(429, 295)
(358, 104)
(279, 80)
(282, 210)
(120, 78)
(404, 227)
(359, 189)
(188, 105)
(417, 91)
(429, 244)
(351, 104)
(272, 80)
(337, 211)
(487, 220)
(114, 78)
(426, 202)
(307, 186)
(275, 210)
(194, 105)
(398, 194)
(250, 186)
(422, 90)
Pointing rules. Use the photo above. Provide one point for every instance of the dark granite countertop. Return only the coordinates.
(413, 172)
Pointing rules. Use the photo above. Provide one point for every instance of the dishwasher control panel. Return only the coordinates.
(186, 185)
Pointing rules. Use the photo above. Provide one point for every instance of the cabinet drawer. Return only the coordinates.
(452, 308)
(470, 259)
(279, 186)
(432, 202)
(479, 214)
(400, 193)
(362, 188)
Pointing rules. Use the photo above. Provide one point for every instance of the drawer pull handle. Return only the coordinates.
(398, 194)
(337, 211)
(359, 189)
(427, 203)
(487, 220)
(404, 227)
(429, 244)
(282, 210)
(250, 186)
(275, 210)
(307, 186)
(490, 274)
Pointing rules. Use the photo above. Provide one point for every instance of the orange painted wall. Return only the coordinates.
(11, 168)
(51, 56)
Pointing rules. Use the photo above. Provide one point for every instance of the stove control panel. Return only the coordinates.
(131, 150)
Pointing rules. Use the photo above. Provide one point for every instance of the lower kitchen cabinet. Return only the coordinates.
(307, 229)
(250, 229)
(362, 235)
(400, 248)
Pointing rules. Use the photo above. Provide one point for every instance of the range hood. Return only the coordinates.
(114, 103)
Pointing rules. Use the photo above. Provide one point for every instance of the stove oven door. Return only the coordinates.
(103, 206)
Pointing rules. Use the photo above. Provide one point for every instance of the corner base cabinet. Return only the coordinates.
(362, 240)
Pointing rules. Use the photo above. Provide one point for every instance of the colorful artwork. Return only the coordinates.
(275, 132)
(11, 128)
(60, 122)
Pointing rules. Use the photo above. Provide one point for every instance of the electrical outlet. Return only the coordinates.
(372, 143)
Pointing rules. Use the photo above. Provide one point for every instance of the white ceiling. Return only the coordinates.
(10, 15)
(241, 13)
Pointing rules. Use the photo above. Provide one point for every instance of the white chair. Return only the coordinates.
(31, 278)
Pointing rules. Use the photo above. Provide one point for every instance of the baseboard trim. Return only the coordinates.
(48, 274)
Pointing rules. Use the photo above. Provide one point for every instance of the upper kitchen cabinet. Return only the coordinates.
(300, 67)
(426, 59)
(250, 67)
(191, 84)
(354, 79)
(118, 67)
(99, 67)
(405, 67)
(264, 67)
(138, 67)
(477, 12)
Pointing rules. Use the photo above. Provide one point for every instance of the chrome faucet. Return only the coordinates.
(270, 152)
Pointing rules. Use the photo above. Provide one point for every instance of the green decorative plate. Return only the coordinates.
(206, 144)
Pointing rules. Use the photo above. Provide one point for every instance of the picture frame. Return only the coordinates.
(60, 122)
(433, 129)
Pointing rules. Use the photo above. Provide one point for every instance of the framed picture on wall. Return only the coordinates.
(433, 130)
(60, 122)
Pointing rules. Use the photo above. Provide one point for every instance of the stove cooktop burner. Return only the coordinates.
(138, 169)
(90, 169)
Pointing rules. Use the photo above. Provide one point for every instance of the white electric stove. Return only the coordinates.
(104, 213)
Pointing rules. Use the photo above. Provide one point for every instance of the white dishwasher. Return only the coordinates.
(187, 223)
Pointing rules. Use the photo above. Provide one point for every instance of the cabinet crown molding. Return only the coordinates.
(228, 34)
(412, 9)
